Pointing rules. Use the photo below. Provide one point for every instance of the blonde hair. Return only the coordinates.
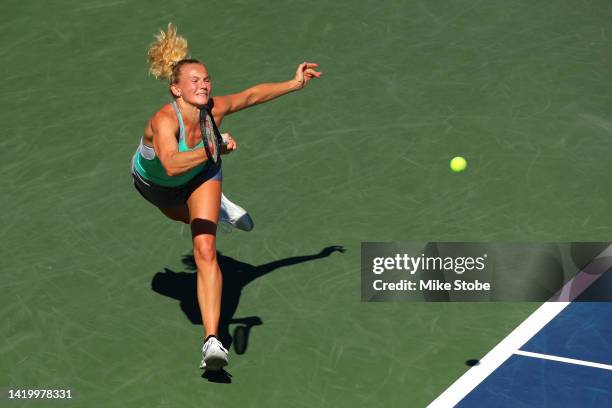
(166, 54)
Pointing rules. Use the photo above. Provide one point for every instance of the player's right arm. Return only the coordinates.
(164, 129)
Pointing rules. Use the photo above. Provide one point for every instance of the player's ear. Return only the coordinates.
(175, 90)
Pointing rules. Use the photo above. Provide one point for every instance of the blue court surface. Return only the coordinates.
(561, 356)
(581, 332)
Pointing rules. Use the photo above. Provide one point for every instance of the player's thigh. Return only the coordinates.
(179, 213)
(204, 205)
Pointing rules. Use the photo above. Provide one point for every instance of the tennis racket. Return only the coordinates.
(210, 136)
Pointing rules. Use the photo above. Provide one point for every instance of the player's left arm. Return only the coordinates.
(228, 104)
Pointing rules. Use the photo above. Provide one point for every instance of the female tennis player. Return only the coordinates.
(171, 168)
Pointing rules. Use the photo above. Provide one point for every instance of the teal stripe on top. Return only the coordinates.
(147, 164)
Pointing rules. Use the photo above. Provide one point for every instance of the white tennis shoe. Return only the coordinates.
(214, 355)
(235, 215)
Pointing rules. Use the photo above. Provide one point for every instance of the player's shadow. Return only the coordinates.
(236, 275)
(220, 377)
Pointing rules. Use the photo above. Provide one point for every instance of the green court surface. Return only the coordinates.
(521, 89)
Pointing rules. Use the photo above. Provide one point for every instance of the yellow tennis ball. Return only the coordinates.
(458, 164)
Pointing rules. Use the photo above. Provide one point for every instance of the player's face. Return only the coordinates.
(194, 84)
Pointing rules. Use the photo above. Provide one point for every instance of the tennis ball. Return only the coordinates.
(458, 164)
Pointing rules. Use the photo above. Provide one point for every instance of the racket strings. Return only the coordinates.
(209, 136)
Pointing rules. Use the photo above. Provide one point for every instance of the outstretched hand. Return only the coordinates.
(305, 72)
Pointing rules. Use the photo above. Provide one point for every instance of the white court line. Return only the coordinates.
(500, 353)
(564, 359)
(526, 330)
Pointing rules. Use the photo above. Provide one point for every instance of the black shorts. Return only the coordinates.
(166, 197)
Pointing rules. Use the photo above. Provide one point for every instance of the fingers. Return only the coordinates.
(307, 69)
(312, 73)
(307, 65)
(305, 72)
(231, 145)
(229, 142)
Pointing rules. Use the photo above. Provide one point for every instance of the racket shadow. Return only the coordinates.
(236, 275)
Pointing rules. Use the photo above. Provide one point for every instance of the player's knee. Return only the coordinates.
(205, 250)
